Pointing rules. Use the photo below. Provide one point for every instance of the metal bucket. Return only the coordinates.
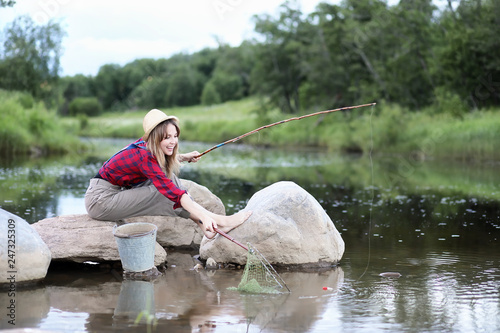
(136, 245)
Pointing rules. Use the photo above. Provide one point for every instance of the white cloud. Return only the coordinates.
(114, 31)
(86, 55)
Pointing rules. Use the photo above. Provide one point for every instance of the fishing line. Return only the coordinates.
(372, 198)
(311, 115)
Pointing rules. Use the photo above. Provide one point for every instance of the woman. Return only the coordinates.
(141, 180)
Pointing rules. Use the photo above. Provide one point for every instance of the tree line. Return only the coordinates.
(414, 54)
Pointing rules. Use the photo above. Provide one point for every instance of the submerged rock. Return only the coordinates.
(147, 275)
(211, 264)
(288, 227)
(390, 274)
(23, 251)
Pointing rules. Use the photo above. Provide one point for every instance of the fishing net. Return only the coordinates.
(259, 277)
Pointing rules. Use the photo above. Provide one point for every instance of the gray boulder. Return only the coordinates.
(288, 226)
(79, 238)
(23, 251)
(180, 232)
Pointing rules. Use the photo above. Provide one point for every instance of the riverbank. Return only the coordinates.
(384, 129)
(28, 128)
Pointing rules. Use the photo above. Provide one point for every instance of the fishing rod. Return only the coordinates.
(282, 122)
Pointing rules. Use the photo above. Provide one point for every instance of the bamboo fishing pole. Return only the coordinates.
(282, 122)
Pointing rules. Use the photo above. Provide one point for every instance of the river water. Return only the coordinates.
(437, 223)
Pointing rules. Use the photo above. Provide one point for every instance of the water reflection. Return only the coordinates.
(437, 292)
(136, 303)
(181, 299)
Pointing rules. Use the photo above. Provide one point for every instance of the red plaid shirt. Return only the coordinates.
(134, 165)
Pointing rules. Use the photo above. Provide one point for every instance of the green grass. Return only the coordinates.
(384, 128)
(27, 127)
(387, 129)
(198, 123)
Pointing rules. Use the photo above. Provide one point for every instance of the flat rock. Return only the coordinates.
(79, 238)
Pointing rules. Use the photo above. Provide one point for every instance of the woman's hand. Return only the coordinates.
(209, 224)
(200, 215)
(190, 157)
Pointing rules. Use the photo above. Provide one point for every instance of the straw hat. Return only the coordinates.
(152, 119)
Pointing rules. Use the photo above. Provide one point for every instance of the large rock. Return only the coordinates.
(79, 238)
(288, 227)
(24, 255)
(180, 232)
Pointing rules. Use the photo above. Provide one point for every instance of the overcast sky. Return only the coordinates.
(118, 31)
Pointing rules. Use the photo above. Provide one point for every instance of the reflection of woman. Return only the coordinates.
(141, 180)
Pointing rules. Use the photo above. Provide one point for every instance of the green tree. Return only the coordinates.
(364, 51)
(408, 77)
(88, 106)
(7, 3)
(329, 76)
(231, 76)
(31, 58)
(136, 84)
(279, 72)
(77, 86)
(110, 86)
(73, 87)
(143, 72)
(185, 85)
(150, 93)
(468, 52)
(228, 86)
(210, 96)
(204, 61)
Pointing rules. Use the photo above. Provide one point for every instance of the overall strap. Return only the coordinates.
(136, 145)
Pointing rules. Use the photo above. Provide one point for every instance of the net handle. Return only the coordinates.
(261, 257)
(222, 233)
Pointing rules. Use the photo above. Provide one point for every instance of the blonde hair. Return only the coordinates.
(168, 163)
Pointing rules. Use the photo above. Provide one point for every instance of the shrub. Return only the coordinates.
(150, 93)
(24, 130)
(228, 86)
(26, 100)
(89, 106)
(210, 96)
(448, 102)
(83, 121)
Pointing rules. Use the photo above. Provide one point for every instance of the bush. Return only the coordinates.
(210, 96)
(447, 102)
(89, 106)
(150, 93)
(35, 129)
(26, 100)
(14, 137)
(228, 86)
(83, 121)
